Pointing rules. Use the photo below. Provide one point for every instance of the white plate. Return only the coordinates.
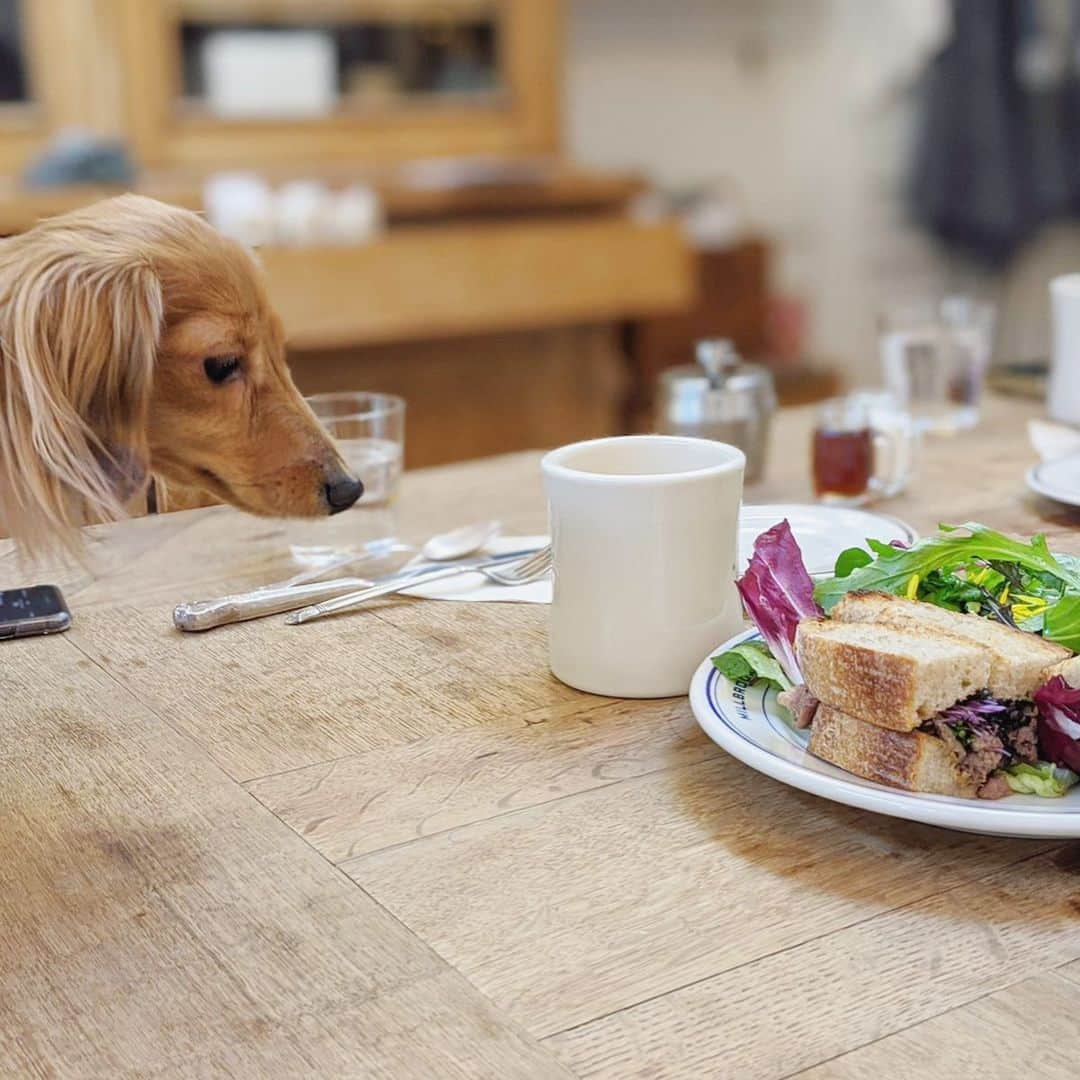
(822, 532)
(1058, 480)
(751, 726)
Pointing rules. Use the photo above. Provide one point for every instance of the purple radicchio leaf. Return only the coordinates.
(974, 711)
(1059, 723)
(777, 593)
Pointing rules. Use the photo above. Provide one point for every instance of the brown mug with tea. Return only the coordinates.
(864, 448)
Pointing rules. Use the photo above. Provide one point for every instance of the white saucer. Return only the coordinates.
(822, 532)
(1058, 480)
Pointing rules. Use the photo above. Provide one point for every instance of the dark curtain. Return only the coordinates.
(997, 152)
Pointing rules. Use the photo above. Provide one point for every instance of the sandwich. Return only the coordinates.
(920, 697)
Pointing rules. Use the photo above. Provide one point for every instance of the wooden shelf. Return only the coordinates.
(427, 282)
(557, 189)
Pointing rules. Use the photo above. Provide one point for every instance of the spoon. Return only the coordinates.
(457, 543)
(442, 547)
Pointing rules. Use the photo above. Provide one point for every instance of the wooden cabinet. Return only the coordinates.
(410, 78)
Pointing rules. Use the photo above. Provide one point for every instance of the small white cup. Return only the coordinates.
(645, 537)
(1063, 389)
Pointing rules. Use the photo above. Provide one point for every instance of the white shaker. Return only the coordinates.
(645, 535)
(1063, 389)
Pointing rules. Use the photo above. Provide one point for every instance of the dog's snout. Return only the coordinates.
(342, 493)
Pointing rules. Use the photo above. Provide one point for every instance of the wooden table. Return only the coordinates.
(392, 845)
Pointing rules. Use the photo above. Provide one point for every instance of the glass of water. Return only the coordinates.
(369, 430)
(934, 361)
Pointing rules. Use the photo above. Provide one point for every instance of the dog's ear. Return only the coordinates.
(79, 335)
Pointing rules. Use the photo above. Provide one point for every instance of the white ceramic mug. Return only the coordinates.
(1063, 389)
(645, 536)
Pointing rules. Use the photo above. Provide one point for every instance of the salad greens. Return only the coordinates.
(777, 592)
(1059, 722)
(973, 569)
(752, 659)
(1044, 779)
(967, 568)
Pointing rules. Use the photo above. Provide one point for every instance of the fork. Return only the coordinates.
(501, 570)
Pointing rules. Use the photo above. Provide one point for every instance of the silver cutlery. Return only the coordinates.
(199, 615)
(459, 543)
(454, 544)
(515, 568)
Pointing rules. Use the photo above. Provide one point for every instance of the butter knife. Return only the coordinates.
(199, 615)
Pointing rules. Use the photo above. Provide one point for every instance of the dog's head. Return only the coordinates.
(136, 340)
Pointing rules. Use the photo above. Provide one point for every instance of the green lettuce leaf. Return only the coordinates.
(1061, 622)
(751, 659)
(893, 568)
(1046, 780)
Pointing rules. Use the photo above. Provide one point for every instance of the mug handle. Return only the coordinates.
(895, 449)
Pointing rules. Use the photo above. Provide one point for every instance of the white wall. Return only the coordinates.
(802, 103)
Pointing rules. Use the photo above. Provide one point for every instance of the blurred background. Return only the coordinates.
(517, 213)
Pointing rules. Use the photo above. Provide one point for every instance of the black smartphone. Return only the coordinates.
(38, 609)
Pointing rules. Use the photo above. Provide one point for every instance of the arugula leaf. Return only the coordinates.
(751, 659)
(851, 559)
(1045, 779)
(893, 568)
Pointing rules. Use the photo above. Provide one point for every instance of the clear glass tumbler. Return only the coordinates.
(369, 430)
(934, 361)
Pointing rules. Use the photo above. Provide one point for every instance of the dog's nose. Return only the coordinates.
(342, 493)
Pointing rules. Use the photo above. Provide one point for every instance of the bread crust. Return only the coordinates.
(896, 677)
(911, 761)
(1018, 660)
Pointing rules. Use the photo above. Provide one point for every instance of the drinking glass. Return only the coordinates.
(369, 430)
(934, 361)
(864, 447)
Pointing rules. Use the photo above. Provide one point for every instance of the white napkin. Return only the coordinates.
(477, 587)
(1052, 441)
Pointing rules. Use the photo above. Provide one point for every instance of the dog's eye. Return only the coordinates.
(220, 368)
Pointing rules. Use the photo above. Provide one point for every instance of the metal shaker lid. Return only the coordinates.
(721, 377)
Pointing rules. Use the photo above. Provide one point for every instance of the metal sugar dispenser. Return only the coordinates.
(720, 397)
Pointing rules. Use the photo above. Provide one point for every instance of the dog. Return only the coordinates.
(136, 342)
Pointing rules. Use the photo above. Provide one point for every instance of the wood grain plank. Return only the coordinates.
(1070, 971)
(360, 804)
(1045, 1009)
(158, 921)
(804, 1005)
(262, 699)
(613, 896)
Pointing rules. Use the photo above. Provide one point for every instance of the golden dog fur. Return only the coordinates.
(112, 320)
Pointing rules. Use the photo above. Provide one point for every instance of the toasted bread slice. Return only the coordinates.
(1018, 660)
(1069, 670)
(895, 677)
(913, 761)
